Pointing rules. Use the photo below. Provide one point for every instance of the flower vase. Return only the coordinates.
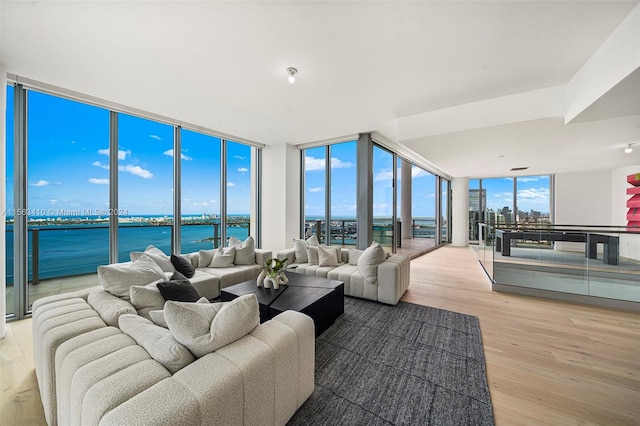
(260, 279)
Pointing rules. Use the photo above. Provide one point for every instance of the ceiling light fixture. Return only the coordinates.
(292, 71)
(628, 149)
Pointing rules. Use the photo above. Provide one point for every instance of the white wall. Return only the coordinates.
(280, 196)
(583, 198)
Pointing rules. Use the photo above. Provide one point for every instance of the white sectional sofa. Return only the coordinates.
(90, 373)
(367, 274)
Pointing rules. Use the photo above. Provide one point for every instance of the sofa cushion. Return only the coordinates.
(354, 255)
(205, 257)
(108, 306)
(328, 256)
(369, 260)
(312, 255)
(204, 328)
(146, 298)
(178, 288)
(158, 341)
(157, 316)
(223, 257)
(118, 278)
(158, 256)
(245, 251)
(183, 265)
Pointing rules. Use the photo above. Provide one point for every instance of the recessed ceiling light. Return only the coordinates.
(519, 169)
(292, 72)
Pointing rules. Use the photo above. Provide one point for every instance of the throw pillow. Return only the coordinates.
(108, 306)
(158, 256)
(146, 298)
(328, 256)
(205, 257)
(157, 316)
(205, 328)
(158, 341)
(369, 260)
(312, 255)
(354, 255)
(223, 257)
(118, 278)
(178, 288)
(313, 241)
(183, 265)
(300, 249)
(245, 251)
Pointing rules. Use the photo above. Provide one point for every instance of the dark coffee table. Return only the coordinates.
(320, 298)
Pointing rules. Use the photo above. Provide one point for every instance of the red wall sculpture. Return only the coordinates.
(633, 203)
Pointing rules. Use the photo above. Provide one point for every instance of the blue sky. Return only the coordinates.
(533, 193)
(68, 162)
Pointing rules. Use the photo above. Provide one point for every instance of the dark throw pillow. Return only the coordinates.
(183, 265)
(179, 288)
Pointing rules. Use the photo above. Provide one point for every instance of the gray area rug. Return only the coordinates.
(393, 365)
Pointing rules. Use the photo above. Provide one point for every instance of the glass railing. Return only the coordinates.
(423, 228)
(595, 261)
(343, 232)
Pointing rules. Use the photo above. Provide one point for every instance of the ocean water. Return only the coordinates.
(80, 250)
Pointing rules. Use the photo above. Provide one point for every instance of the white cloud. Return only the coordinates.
(336, 163)
(239, 157)
(534, 194)
(383, 175)
(122, 155)
(40, 183)
(99, 181)
(183, 156)
(99, 164)
(316, 189)
(53, 202)
(417, 172)
(136, 170)
(156, 137)
(312, 164)
(231, 184)
(243, 170)
(528, 179)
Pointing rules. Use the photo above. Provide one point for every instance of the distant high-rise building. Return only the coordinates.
(474, 199)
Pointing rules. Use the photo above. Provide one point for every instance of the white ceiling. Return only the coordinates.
(362, 65)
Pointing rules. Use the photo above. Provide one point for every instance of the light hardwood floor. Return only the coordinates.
(548, 362)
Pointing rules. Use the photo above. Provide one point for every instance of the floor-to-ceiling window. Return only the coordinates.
(522, 201)
(145, 184)
(383, 197)
(9, 214)
(444, 210)
(315, 174)
(477, 202)
(66, 194)
(405, 213)
(239, 190)
(200, 183)
(344, 196)
(423, 196)
(80, 164)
